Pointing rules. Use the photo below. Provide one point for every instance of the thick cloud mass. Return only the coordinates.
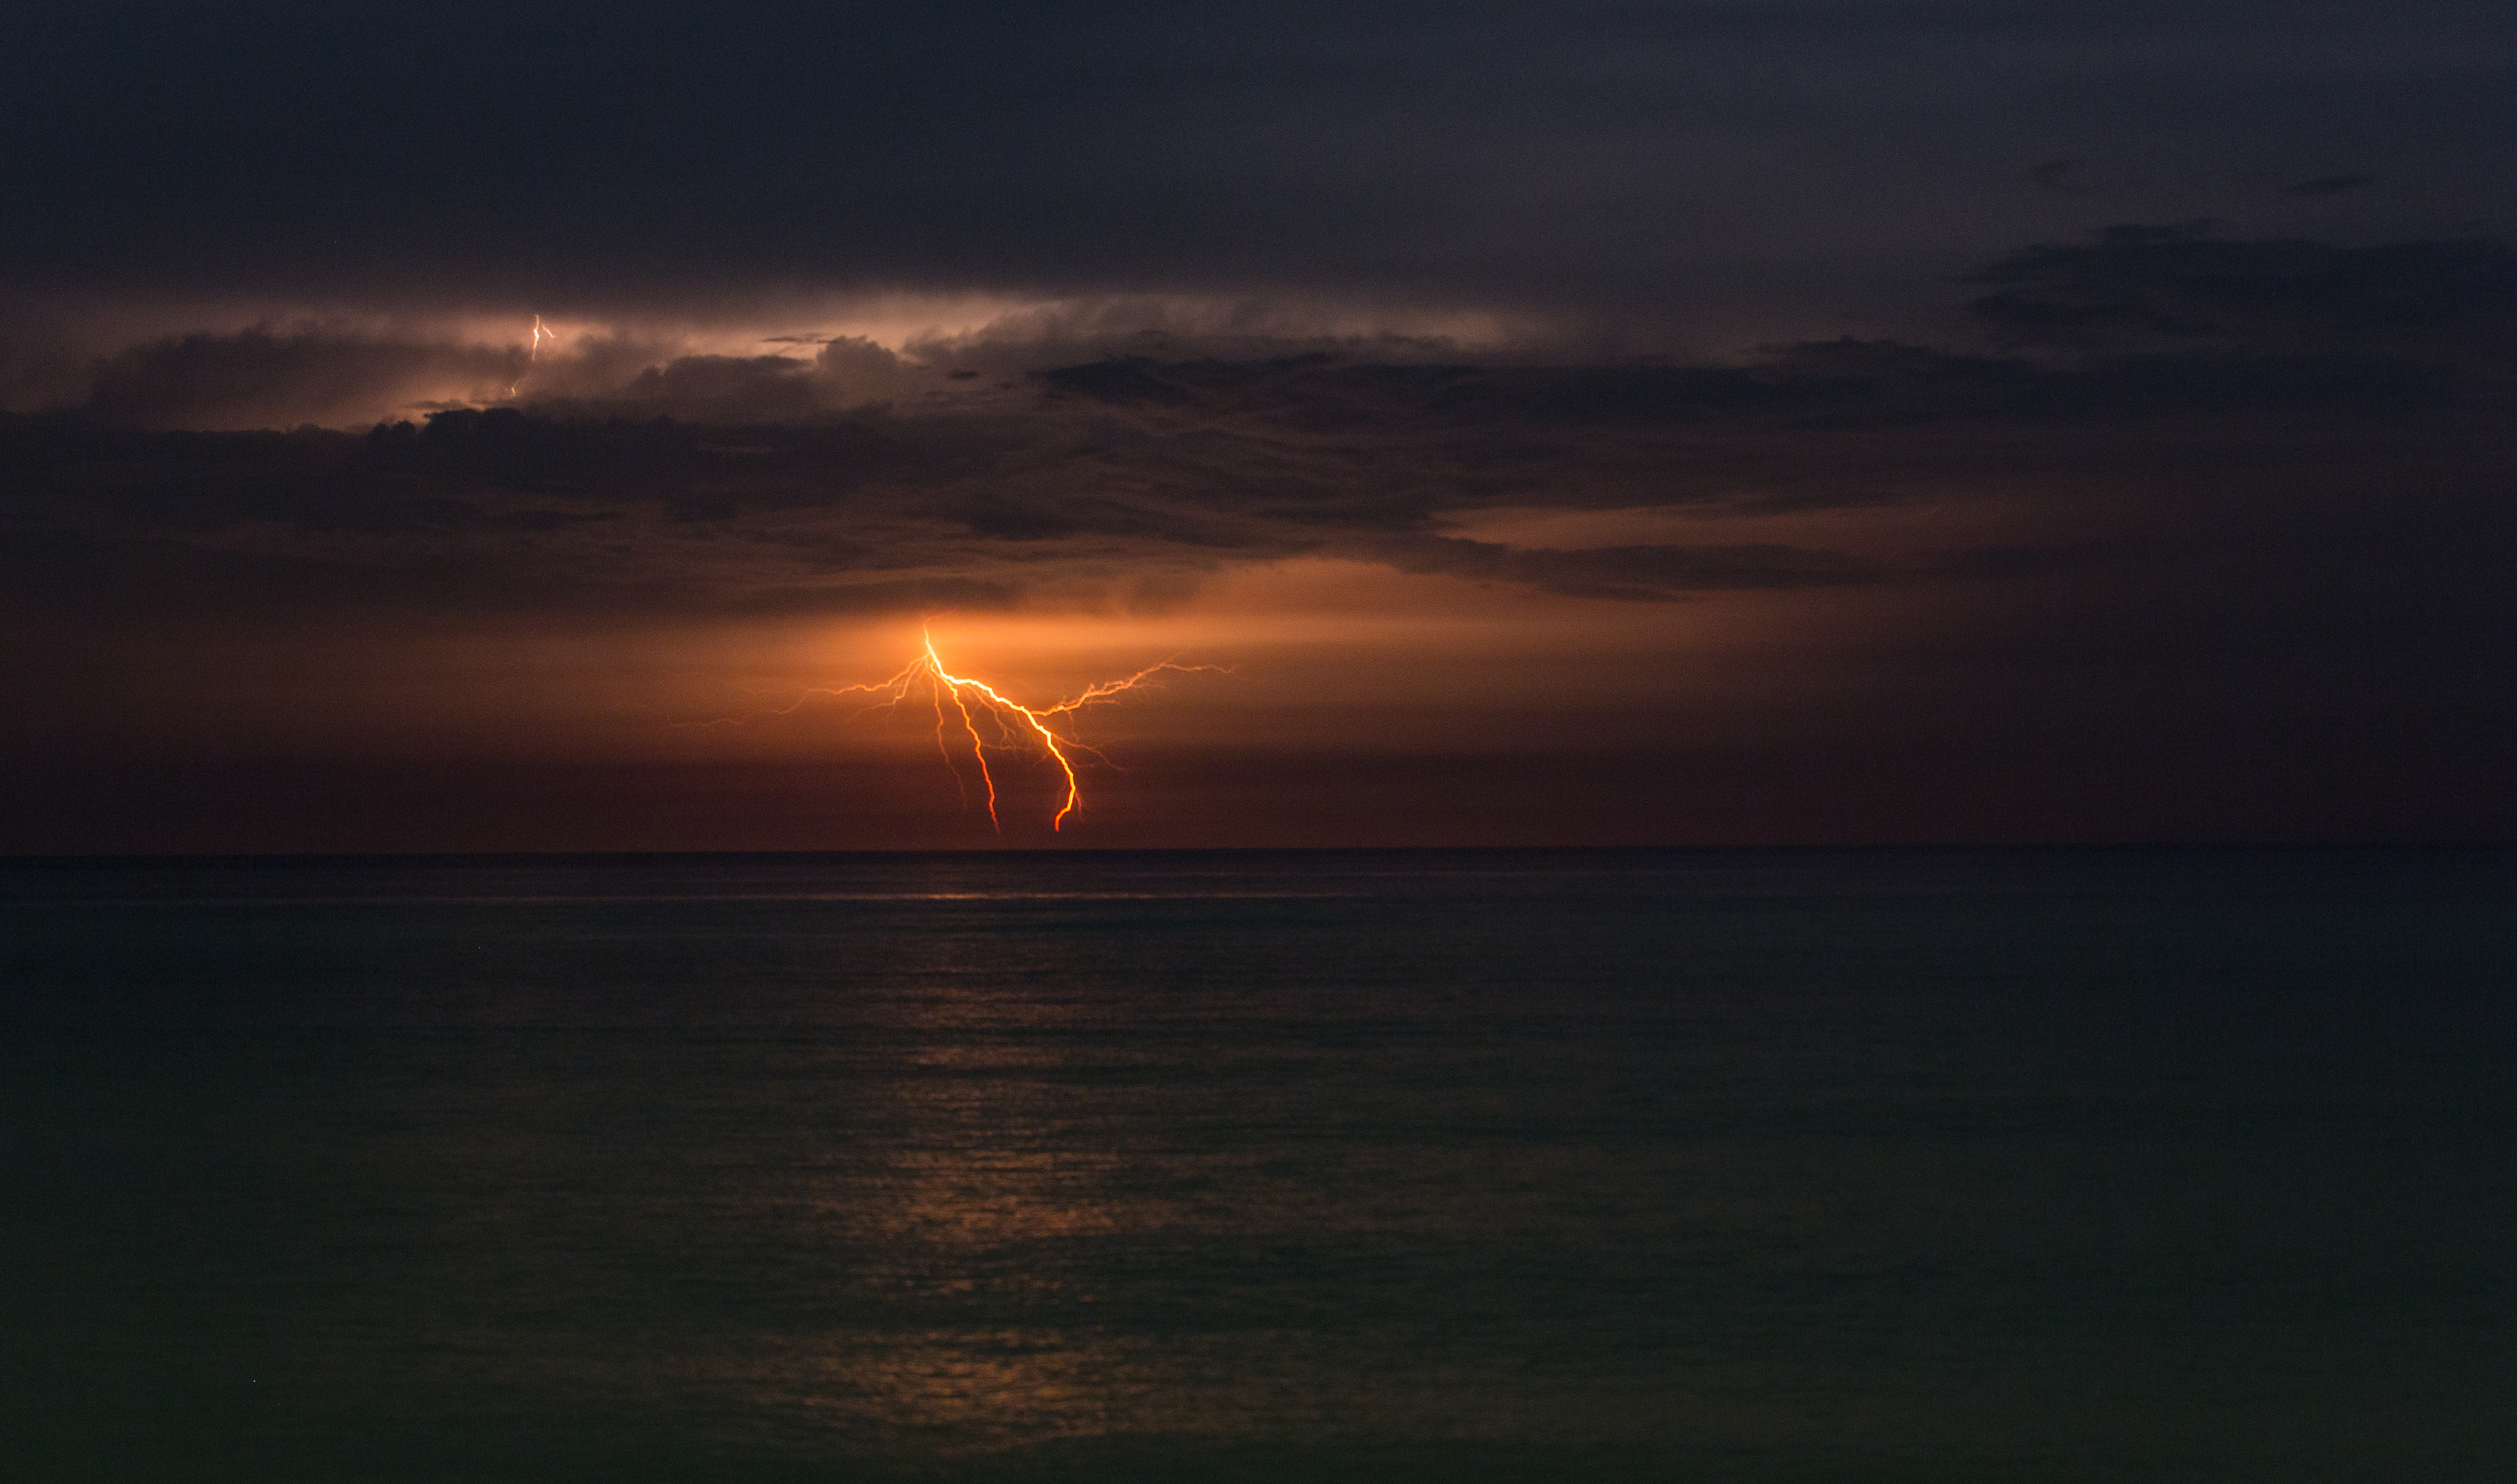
(743, 484)
(261, 379)
(2297, 457)
(2148, 287)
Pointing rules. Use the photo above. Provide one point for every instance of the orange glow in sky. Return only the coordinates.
(990, 718)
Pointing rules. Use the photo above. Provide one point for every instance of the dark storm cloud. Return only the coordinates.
(1472, 291)
(2156, 287)
(2234, 523)
(1072, 334)
(260, 378)
(844, 373)
(266, 377)
(735, 485)
(1619, 158)
(1635, 571)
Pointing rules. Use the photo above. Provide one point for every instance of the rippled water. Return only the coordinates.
(1757, 1166)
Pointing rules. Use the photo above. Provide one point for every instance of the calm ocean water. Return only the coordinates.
(1945, 1166)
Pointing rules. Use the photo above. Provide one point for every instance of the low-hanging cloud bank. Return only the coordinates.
(2220, 495)
(858, 478)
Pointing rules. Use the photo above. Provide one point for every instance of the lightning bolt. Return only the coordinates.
(533, 351)
(988, 719)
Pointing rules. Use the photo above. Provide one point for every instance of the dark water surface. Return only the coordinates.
(1978, 1166)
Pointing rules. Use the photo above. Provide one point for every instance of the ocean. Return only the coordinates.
(2034, 1165)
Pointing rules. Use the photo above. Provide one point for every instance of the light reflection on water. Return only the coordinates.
(1965, 1166)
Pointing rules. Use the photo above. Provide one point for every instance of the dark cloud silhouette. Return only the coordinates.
(1090, 330)
(2180, 287)
(1635, 571)
(1648, 319)
(2232, 499)
(744, 482)
(264, 377)
(261, 377)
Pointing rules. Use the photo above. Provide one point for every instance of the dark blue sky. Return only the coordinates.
(1618, 162)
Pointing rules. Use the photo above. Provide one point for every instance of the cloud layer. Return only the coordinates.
(2245, 503)
(858, 478)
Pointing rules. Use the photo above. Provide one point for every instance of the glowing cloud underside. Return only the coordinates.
(989, 718)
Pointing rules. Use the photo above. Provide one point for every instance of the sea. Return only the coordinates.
(1891, 1165)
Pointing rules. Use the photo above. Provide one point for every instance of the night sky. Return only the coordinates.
(1710, 423)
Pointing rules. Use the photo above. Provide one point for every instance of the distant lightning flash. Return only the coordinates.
(534, 352)
(1009, 725)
